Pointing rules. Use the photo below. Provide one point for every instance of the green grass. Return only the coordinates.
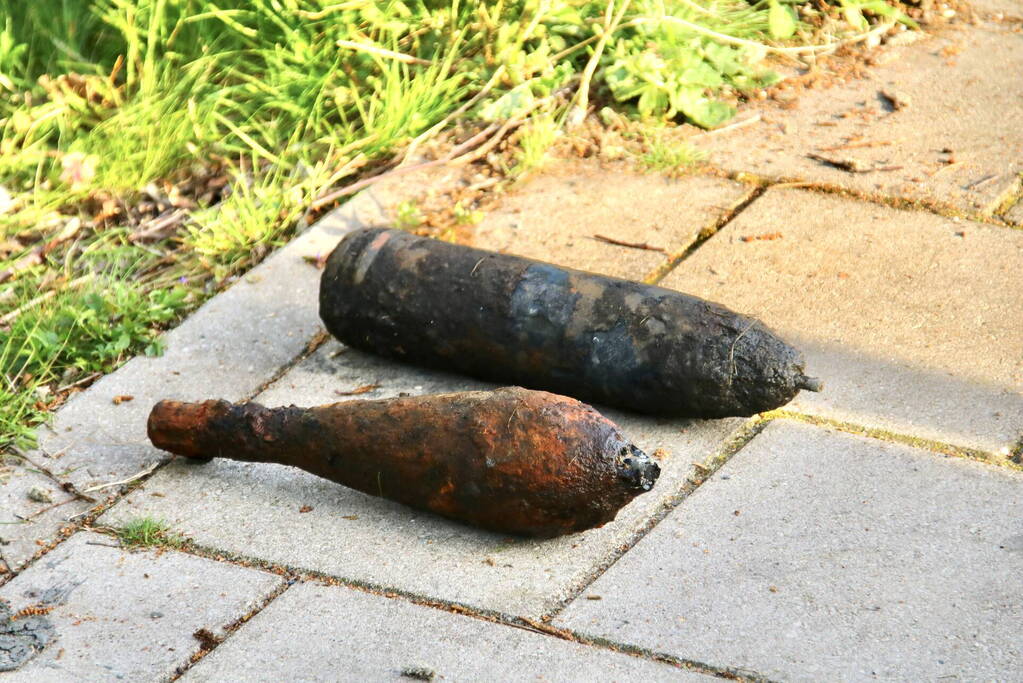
(239, 114)
(146, 532)
(534, 141)
(666, 155)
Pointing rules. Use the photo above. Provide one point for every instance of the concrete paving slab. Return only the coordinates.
(958, 100)
(998, 9)
(121, 615)
(910, 319)
(558, 214)
(26, 517)
(331, 632)
(816, 555)
(257, 510)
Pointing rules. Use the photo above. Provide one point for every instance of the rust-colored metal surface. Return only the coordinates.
(510, 460)
(513, 320)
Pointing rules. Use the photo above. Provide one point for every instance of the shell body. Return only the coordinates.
(513, 320)
(510, 460)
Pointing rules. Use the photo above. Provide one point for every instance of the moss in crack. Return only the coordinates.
(1003, 458)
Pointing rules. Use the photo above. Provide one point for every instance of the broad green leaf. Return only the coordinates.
(883, 9)
(516, 101)
(780, 21)
(724, 58)
(701, 74)
(652, 103)
(700, 109)
(122, 342)
(854, 16)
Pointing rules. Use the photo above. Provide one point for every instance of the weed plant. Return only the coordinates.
(147, 532)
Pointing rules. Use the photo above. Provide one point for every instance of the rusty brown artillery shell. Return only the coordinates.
(513, 320)
(511, 460)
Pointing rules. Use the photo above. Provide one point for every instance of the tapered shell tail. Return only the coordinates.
(180, 428)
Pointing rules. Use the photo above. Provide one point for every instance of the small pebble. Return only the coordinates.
(40, 494)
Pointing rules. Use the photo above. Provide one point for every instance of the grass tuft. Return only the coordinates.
(668, 156)
(147, 532)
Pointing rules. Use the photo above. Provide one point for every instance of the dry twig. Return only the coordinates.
(630, 245)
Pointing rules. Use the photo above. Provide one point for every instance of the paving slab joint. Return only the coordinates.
(297, 573)
(990, 217)
(730, 673)
(313, 575)
(208, 642)
(702, 471)
(726, 217)
(1012, 196)
(80, 521)
(85, 520)
(62, 484)
(1007, 459)
(319, 338)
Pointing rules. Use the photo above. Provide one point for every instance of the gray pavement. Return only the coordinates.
(958, 142)
(569, 211)
(812, 554)
(775, 565)
(370, 638)
(132, 616)
(913, 319)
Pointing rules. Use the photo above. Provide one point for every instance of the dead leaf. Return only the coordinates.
(765, 237)
(161, 227)
(850, 164)
(319, 261)
(306, 508)
(364, 389)
(897, 99)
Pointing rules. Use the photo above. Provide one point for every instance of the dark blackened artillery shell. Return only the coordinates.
(517, 321)
(511, 460)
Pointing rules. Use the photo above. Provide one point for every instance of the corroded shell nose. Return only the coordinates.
(636, 468)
